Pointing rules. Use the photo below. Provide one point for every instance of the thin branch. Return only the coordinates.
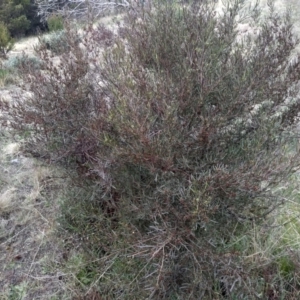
(78, 8)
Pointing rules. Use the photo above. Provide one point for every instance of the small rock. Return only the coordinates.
(15, 161)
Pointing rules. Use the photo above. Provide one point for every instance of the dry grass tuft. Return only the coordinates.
(11, 149)
(6, 200)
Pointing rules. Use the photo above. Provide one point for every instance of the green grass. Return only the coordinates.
(270, 251)
(6, 77)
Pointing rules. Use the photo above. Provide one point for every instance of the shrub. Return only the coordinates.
(3, 75)
(59, 42)
(6, 42)
(55, 23)
(20, 17)
(56, 42)
(19, 62)
(178, 135)
(19, 25)
(6, 77)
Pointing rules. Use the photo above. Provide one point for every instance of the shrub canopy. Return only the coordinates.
(20, 17)
(178, 125)
(6, 41)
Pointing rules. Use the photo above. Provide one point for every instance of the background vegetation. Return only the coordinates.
(20, 17)
(55, 22)
(6, 41)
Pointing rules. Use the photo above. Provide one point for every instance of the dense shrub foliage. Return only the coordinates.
(56, 42)
(6, 41)
(20, 17)
(178, 134)
(55, 22)
(17, 63)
